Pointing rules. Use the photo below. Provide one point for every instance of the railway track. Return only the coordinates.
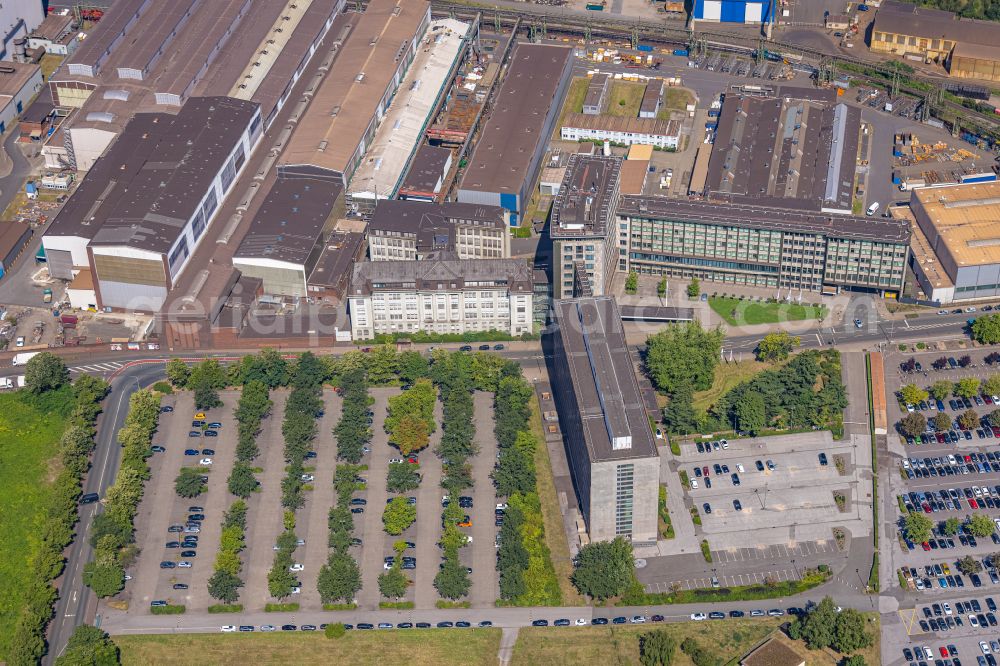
(672, 32)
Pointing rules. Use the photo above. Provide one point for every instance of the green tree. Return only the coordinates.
(854, 660)
(951, 526)
(941, 389)
(335, 630)
(657, 648)
(917, 527)
(268, 367)
(104, 579)
(969, 419)
(913, 394)
(967, 387)
(339, 579)
(225, 586)
(661, 288)
(383, 364)
(693, 288)
(851, 634)
(398, 515)
(604, 568)
(402, 477)
(178, 372)
(969, 565)
(750, 412)
(89, 646)
(392, 584)
(280, 580)
(209, 372)
(913, 424)
(942, 422)
(188, 483)
(986, 329)
(413, 366)
(992, 385)
(679, 416)
(410, 434)
(632, 283)
(683, 355)
(242, 481)
(205, 396)
(452, 581)
(980, 525)
(776, 346)
(45, 372)
(818, 626)
(994, 417)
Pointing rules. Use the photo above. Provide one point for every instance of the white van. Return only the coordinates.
(872, 209)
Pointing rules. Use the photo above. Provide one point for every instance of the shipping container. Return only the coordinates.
(713, 113)
(643, 47)
(69, 320)
(711, 125)
(23, 357)
(596, 8)
(680, 52)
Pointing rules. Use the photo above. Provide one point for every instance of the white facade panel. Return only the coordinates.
(713, 10)
(75, 245)
(754, 11)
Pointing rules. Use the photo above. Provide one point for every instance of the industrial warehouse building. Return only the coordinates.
(428, 78)
(151, 56)
(621, 130)
(734, 11)
(763, 247)
(18, 84)
(413, 230)
(427, 173)
(956, 244)
(340, 125)
(610, 449)
(966, 46)
(441, 295)
(582, 226)
(507, 158)
(283, 243)
(137, 218)
(798, 149)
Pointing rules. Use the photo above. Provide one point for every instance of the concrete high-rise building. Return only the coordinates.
(612, 456)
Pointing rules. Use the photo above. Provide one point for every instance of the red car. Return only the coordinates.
(944, 651)
(925, 545)
(704, 470)
(973, 504)
(968, 459)
(412, 460)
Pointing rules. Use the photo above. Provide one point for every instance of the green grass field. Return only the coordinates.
(625, 98)
(674, 99)
(29, 437)
(574, 102)
(727, 376)
(743, 313)
(729, 639)
(415, 647)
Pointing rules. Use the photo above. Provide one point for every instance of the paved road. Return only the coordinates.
(75, 603)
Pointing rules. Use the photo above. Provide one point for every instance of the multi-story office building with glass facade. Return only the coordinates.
(765, 247)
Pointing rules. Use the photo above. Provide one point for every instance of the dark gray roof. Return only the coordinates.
(596, 89)
(655, 313)
(110, 33)
(586, 198)
(503, 155)
(651, 96)
(290, 220)
(907, 19)
(797, 149)
(150, 182)
(440, 274)
(425, 220)
(426, 168)
(336, 261)
(886, 230)
(604, 382)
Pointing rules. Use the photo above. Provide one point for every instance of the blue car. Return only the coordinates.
(191, 452)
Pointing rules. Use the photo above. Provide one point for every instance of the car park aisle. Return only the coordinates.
(154, 515)
(376, 494)
(481, 553)
(264, 517)
(429, 510)
(314, 516)
(215, 501)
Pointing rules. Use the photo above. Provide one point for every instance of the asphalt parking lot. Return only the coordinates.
(162, 507)
(799, 490)
(923, 477)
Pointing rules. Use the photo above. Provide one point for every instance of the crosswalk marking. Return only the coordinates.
(98, 367)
